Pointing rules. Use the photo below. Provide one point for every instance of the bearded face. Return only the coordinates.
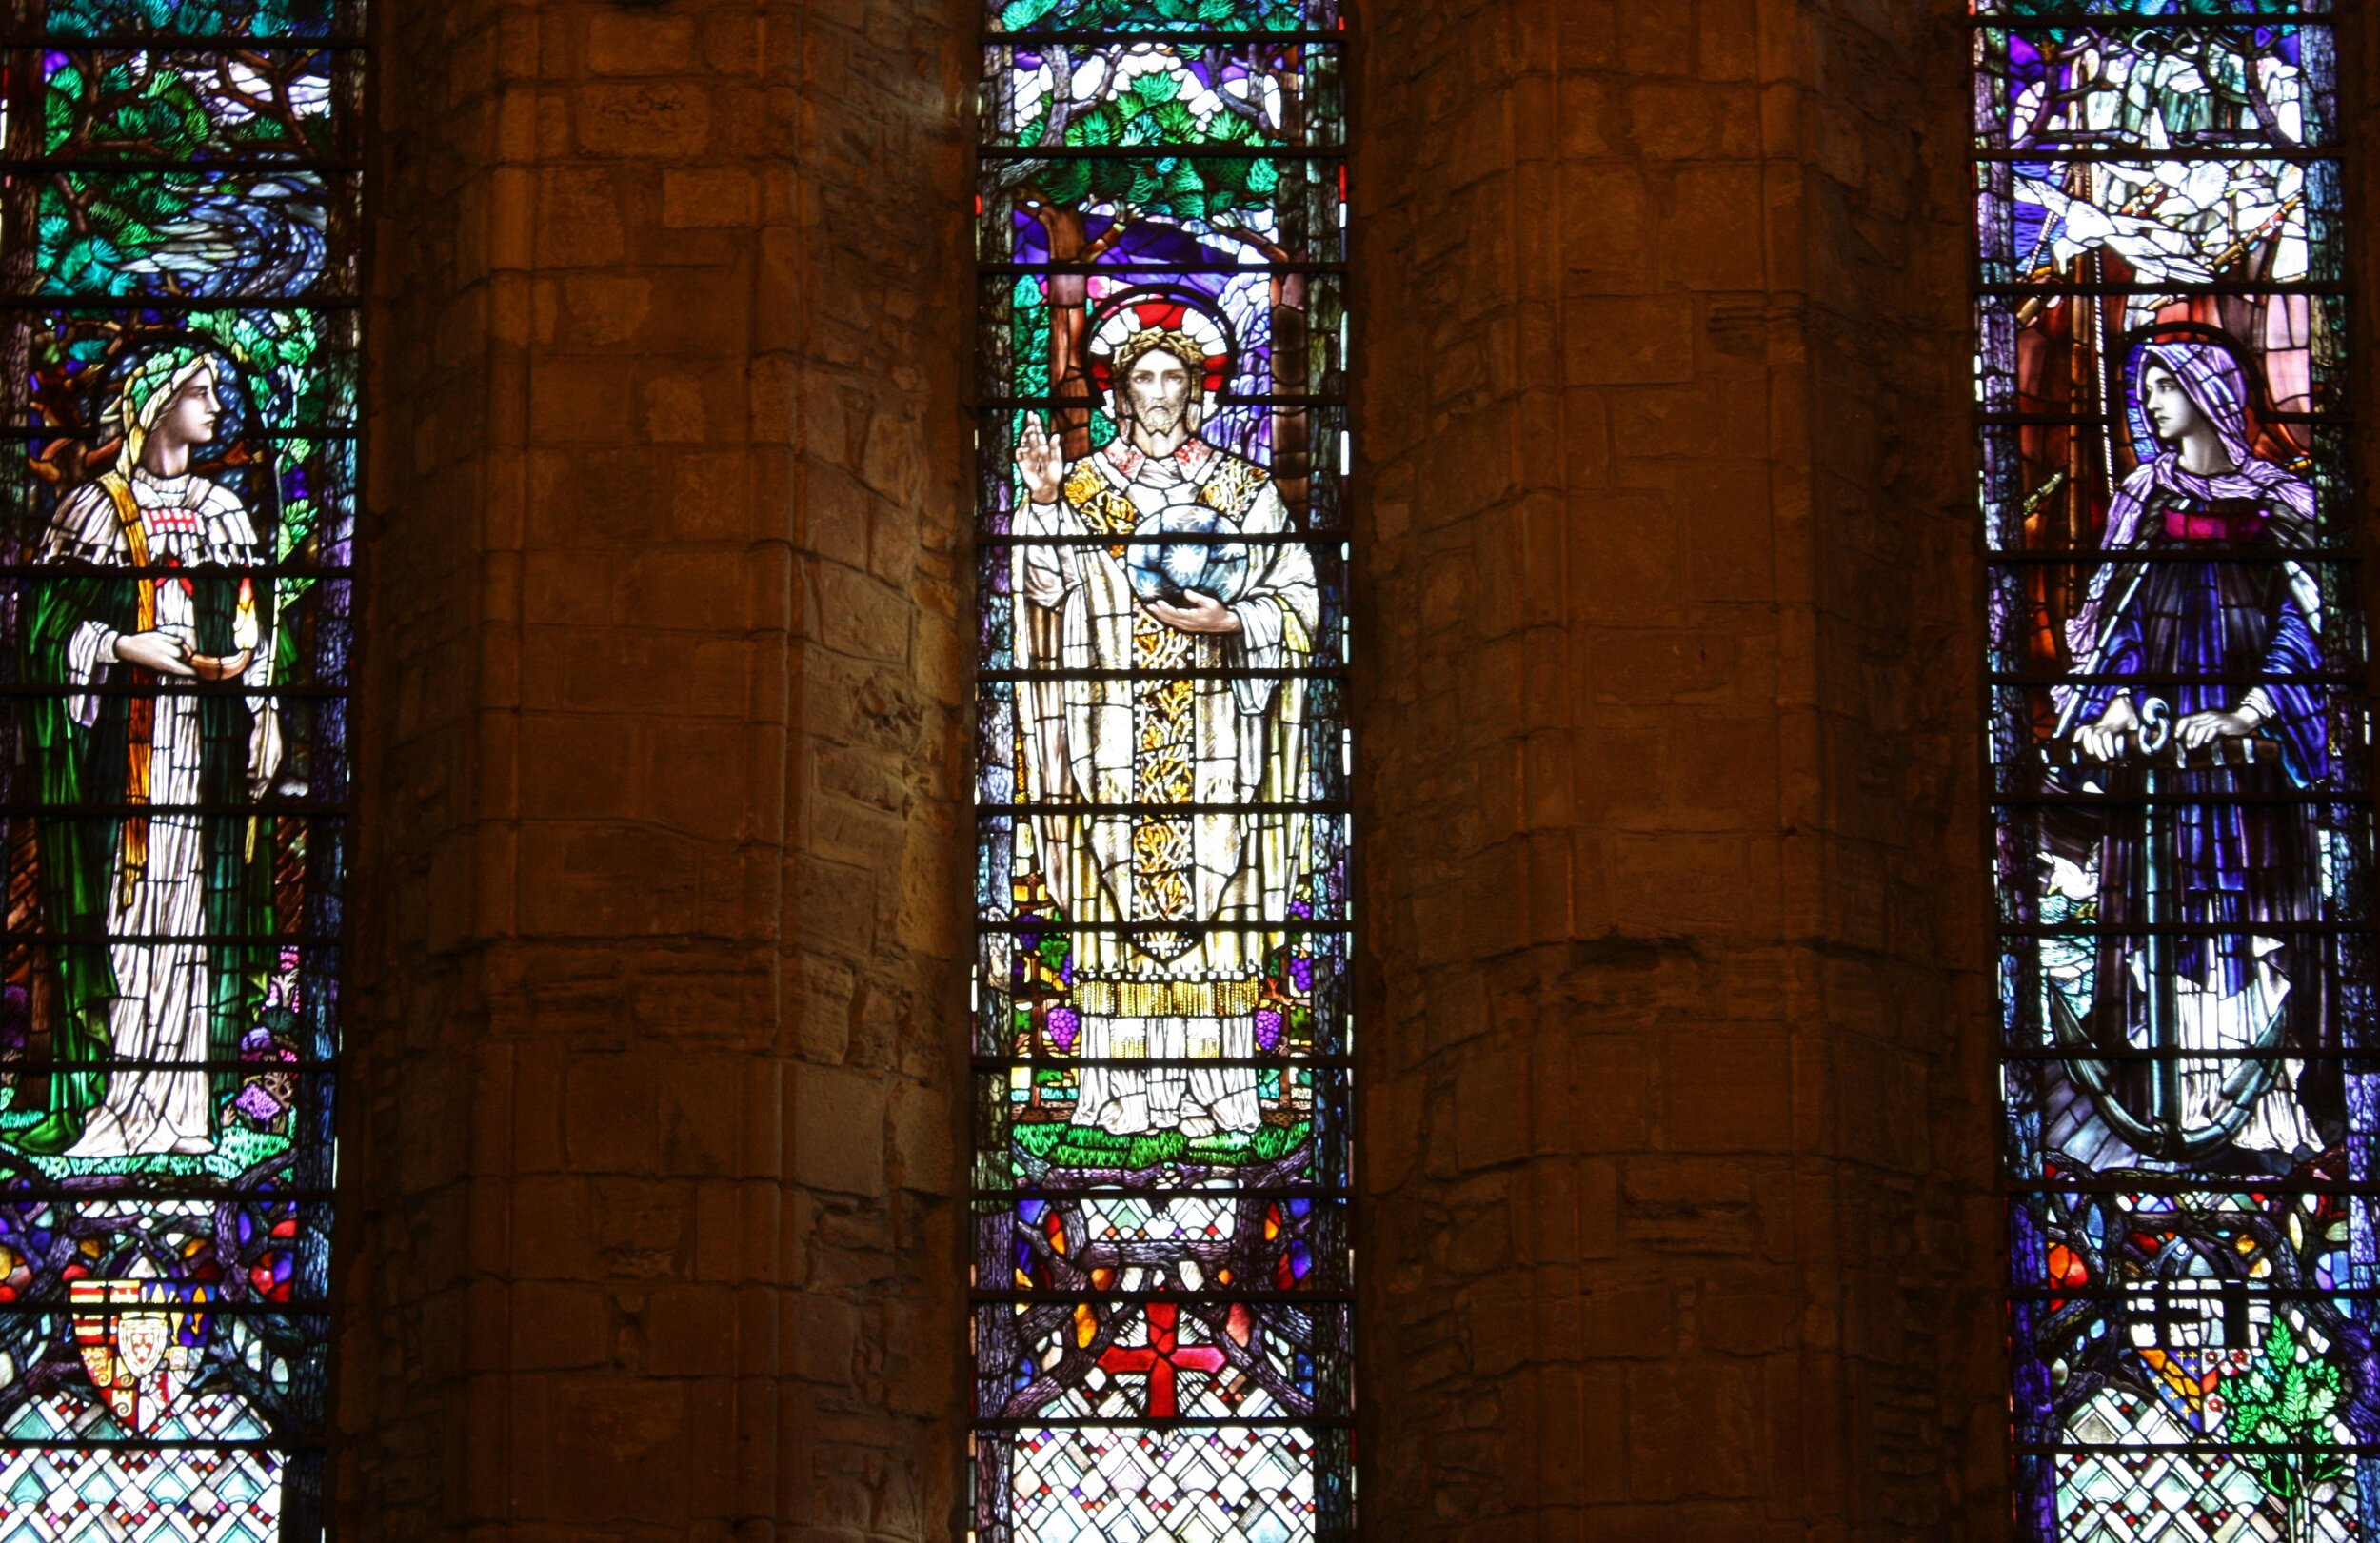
(1159, 392)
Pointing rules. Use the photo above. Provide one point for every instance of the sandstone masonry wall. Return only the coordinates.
(1676, 1195)
(1678, 1213)
(651, 1229)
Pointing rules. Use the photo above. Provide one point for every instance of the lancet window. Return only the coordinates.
(2179, 760)
(178, 245)
(1161, 1266)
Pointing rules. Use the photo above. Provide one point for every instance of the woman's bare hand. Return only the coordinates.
(2105, 739)
(2200, 729)
(158, 651)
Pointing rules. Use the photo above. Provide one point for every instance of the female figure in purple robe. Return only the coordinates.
(2192, 689)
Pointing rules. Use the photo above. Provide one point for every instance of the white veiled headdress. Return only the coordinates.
(147, 392)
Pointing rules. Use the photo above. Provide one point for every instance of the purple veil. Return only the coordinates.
(2211, 377)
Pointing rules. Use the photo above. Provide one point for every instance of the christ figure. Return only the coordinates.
(147, 627)
(1175, 896)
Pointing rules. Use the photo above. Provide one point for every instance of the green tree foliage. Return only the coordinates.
(167, 107)
(2285, 1401)
(189, 18)
(1188, 188)
(1087, 1146)
(1156, 15)
(117, 103)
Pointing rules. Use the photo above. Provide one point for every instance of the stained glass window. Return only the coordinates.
(178, 206)
(2179, 748)
(1161, 1011)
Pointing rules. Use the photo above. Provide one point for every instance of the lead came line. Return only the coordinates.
(1161, 955)
(2176, 748)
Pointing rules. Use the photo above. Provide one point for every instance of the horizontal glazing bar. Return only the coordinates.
(2176, 1449)
(2028, 289)
(2182, 1184)
(1131, 929)
(208, 939)
(277, 808)
(2187, 929)
(1327, 672)
(1310, 806)
(64, 433)
(135, 1063)
(1187, 150)
(181, 43)
(149, 1189)
(1295, 1298)
(1250, 538)
(2134, 154)
(1056, 1063)
(1197, 37)
(2145, 678)
(118, 305)
(212, 1307)
(2121, 801)
(275, 1443)
(36, 166)
(1220, 399)
(176, 686)
(86, 571)
(1014, 1193)
(2003, 21)
(1175, 1422)
(2196, 1289)
(2102, 419)
(1134, 267)
(2053, 1054)
(2215, 553)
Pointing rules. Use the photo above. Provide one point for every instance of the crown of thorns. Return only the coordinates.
(1144, 322)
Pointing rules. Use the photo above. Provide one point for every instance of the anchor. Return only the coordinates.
(2161, 1130)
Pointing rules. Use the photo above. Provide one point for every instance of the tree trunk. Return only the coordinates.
(20, 200)
(1070, 325)
(1293, 459)
(1292, 433)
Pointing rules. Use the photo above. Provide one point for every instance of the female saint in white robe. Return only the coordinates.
(153, 601)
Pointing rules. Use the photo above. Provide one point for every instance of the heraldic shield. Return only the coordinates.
(141, 1340)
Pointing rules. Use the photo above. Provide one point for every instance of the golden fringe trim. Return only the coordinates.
(1167, 998)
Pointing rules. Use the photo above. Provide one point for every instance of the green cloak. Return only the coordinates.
(81, 853)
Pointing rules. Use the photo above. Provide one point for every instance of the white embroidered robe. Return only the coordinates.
(1160, 994)
(162, 1006)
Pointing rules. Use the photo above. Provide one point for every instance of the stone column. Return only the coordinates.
(1677, 1213)
(655, 1021)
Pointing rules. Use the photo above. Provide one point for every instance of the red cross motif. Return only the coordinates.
(1161, 1357)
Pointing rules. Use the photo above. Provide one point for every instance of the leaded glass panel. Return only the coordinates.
(2179, 748)
(1162, 1268)
(178, 410)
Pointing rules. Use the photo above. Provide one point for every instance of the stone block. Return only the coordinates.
(611, 1118)
(640, 44)
(664, 119)
(1695, 1429)
(839, 1131)
(709, 196)
(557, 1325)
(690, 1331)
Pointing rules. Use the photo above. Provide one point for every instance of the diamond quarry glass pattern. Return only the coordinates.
(2179, 748)
(178, 256)
(1162, 1273)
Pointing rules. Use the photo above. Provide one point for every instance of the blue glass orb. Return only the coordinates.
(1175, 551)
